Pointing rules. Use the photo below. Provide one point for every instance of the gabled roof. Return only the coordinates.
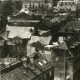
(62, 49)
(22, 32)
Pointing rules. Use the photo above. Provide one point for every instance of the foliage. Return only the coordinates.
(7, 8)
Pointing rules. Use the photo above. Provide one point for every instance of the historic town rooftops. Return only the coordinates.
(73, 41)
(71, 26)
(22, 32)
(41, 62)
(18, 71)
(7, 61)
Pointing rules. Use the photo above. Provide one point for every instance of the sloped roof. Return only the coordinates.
(34, 69)
(45, 37)
(4, 35)
(7, 61)
(16, 71)
(22, 32)
(42, 63)
(23, 14)
(61, 46)
(62, 49)
(20, 73)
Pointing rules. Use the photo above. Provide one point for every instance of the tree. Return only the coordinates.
(7, 8)
(17, 5)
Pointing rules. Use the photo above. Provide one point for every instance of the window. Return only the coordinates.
(44, 61)
(40, 63)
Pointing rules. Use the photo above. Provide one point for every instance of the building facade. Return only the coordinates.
(67, 4)
(36, 5)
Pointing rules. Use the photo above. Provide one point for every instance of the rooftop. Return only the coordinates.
(22, 32)
(71, 26)
(17, 70)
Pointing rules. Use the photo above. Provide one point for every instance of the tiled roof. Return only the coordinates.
(34, 69)
(42, 63)
(22, 32)
(17, 70)
(20, 73)
(7, 61)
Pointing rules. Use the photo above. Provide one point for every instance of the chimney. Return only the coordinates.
(25, 62)
(32, 60)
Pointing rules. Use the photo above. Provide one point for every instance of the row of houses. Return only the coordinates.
(19, 35)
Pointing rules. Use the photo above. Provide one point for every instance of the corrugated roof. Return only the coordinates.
(22, 32)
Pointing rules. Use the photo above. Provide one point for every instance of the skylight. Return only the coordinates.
(40, 63)
(44, 61)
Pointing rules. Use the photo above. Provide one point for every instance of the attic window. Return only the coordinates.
(40, 63)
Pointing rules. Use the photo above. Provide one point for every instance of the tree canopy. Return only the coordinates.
(7, 8)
